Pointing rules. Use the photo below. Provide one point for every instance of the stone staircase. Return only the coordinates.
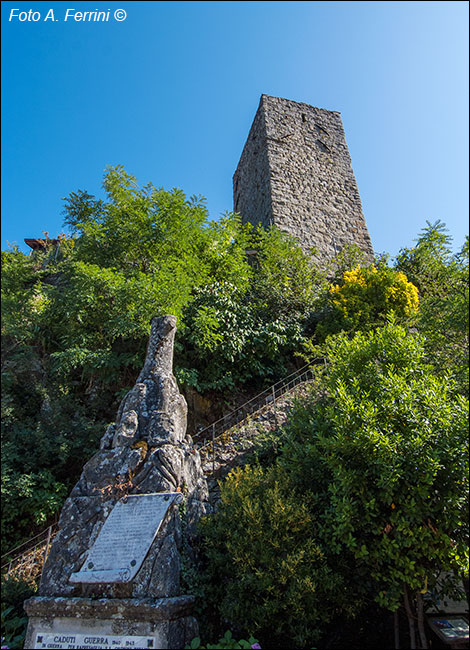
(25, 562)
(255, 435)
(232, 441)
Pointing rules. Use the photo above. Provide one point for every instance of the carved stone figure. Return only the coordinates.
(145, 451)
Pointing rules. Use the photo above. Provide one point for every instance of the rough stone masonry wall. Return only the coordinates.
(239, 444)
(251, 181)
(295, 172)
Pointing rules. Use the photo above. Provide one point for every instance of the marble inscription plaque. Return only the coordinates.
(125, 538)
(72, 641)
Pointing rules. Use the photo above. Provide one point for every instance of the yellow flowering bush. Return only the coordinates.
(366, 294)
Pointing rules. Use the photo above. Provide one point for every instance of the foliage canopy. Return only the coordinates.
(371, 488)
(368, 493)
(76, 319)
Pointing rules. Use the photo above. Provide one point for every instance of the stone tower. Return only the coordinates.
(295, 173)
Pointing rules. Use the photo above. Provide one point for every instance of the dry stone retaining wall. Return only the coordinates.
(237, 445)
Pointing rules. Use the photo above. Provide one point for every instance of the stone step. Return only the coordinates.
(234, 446)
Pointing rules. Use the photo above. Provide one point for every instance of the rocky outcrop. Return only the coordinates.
(146, 450)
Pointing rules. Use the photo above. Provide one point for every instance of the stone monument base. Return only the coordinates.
(110, 623)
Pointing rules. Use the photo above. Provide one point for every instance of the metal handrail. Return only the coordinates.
(27, 542)
(235, 417)
(214, 430)
(19, 560)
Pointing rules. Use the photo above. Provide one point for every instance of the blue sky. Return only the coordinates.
(171, 91)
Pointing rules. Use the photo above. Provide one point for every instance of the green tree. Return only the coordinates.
(392, 439)
(373, 475)
(285, 281)
(247, 326)
(443, 282)
(74, 331)
(76, 318)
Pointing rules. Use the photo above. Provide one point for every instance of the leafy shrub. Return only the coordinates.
(369, 496)
(13, 628)
(365, 296)
(387, 450)
(14, 593)
(226, 342)
(267, 570)
(227, 641)
(43, 452)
